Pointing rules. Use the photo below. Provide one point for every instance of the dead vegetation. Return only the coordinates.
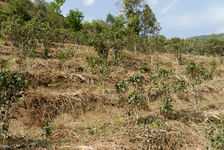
(82, 106)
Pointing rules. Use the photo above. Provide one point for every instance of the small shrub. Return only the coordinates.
(216, 136)
(165, 82)
(64, 55)
(197, 75)
(48, 129)
(12, 87)
(130, 92)
(121, 87)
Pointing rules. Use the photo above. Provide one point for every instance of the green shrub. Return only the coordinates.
(11, 29)
(216, 136)
(165, 82)
(197, 75)
(64, 55)
(130, 92)
(12, 87)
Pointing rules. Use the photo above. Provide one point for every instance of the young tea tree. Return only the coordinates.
(164, 82)
(116, 41)
(176, 46)
(47, 37)
(156, 44)
(12, 87)
(197, 75)
(130, 91)
(11, 29)
(64, 55)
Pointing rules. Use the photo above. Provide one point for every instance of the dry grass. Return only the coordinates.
(82, 106)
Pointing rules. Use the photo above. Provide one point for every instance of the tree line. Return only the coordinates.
(28, 23)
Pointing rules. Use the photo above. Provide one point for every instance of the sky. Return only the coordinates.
(182, 18)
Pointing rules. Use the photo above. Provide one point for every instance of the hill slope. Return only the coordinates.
(203, 38)
(82, 106)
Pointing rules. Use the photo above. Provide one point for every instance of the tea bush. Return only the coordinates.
(12, 87)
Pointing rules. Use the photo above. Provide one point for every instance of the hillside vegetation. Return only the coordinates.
(105, 85)
(203, 38)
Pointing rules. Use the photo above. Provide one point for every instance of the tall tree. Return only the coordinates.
(21, 8)
(132, 12)
(55, 18)
(41, 8)
(110, 19)
(149, 24)
(56, 6)
(74, 19)
(140, 18)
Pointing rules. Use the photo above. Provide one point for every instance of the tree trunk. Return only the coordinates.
(152, 59)
(195, 97)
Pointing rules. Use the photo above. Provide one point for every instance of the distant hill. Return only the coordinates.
(203, 38)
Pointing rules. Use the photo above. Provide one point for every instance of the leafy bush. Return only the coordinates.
(176, 46)
(64, 55)
(197, 74)
(165, 82)
(101, 45)
(12, 87)
(213, 47)
(47, 37)
(11, 29)
(130, 92)
(216, 136)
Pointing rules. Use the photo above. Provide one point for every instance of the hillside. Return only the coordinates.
(203, 38)
(84, 111)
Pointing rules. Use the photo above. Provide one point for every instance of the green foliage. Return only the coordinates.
(95, 27)
(149, 24)
(192, 46)
(54, 85)
(48, 129)
(140, 18)
(63, 35)
(21, 8)
(12, 87)
(30, 33)
(109, 39)
(165, 82)
(119, 21)
(213, 47)
(81, 38)
(197, 73)
(56, 6)
(115, 37)
(215, 134)
(11, 29)
(135, 80)
(176, 46)
(101, 45)
(74, 19)
(47, 37)
(157, 43)
(130, 92)
(110, 19)
(204, 38)
(121, 86)
(93, 61)
(66, 54)
(137, 99)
